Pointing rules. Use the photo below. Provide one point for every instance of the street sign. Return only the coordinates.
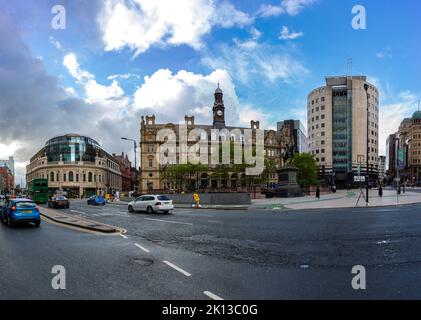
(196, 197)
(359, 178)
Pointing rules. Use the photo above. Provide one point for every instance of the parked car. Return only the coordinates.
(151, 204)
(20, 210)
(58, 202)
(97, 200)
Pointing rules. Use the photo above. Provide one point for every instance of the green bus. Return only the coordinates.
(38, 189)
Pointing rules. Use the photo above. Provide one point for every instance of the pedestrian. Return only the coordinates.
(403, 188)
(380, 191)
(318, 192)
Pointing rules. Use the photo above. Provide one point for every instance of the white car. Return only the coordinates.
(151, 204)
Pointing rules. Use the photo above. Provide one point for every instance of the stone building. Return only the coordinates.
(151, 173)
(77, 165)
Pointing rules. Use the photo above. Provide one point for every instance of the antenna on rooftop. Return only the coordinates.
(349, 67)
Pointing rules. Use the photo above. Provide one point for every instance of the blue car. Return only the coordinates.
(97, 200)
(20, 210)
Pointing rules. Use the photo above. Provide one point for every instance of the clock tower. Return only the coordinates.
(218, 110)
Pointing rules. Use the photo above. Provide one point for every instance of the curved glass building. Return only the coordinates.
(72, 148)
(76, 165)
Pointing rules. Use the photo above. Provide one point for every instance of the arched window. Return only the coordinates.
(71, 176)
(90, 177)
(52, 176)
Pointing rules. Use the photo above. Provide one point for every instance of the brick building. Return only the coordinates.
(7, 181)
(126, 172)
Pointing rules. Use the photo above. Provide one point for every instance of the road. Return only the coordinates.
(208, 254)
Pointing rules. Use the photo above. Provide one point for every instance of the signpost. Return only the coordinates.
(196, 199)
(359, 178)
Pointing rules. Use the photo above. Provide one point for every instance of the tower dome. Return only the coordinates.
(416, 115)
(218, 90)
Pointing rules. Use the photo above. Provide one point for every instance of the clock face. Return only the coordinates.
(219, 112)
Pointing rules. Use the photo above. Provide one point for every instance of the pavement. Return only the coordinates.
(340, 199)
(253, 254)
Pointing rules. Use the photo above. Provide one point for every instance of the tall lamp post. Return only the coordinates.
(135, 161)
(368, 147)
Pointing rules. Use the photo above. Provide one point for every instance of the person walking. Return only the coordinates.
(318, 192)
(380, 191)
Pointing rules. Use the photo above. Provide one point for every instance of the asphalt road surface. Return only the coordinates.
(210, 254)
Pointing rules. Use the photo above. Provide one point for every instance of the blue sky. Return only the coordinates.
(172, 54)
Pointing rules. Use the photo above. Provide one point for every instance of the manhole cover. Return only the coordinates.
(145, 262)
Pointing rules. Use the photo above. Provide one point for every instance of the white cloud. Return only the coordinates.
(290, 7)
(250, 61)
(111, 96)
(123, 76)
(391, 115)
(384, 53)
(140, 24)
(286, 34)
(249, 112)
(171, 96)
(294, 7)
(268, 10)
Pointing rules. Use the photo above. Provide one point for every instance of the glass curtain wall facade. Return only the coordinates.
(342, 132)
(72, 149)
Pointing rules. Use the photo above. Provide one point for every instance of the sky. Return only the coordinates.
(116, 60)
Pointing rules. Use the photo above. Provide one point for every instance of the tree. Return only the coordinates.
(307, 169)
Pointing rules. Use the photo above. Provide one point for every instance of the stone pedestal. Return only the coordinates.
(287, 183)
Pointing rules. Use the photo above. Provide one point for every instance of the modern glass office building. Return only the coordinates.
(72, 148)
(337, 129)
(77, 165)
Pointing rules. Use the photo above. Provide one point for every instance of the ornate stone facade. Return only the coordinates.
(152, 177)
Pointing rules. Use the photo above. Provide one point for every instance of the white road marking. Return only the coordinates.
(169, 221)
(141, 248)
(75, 211)
(125, 237)
(212, 295)
(177, 268)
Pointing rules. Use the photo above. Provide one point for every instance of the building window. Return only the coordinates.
(150, 164)
(64, 177)
(77, 177)
(150, 148)
(58, 177)
(90, 177)
(71, 176)
(52, 176)
(84, 177)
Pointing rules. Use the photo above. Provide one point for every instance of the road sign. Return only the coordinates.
(196, 197)
(359, 178)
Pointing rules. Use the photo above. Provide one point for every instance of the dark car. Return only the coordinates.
(20, 210)
(58, 202)
(96, 201)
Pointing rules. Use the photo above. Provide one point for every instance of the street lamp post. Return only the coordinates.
(368, 147)
(135, 160)
(397, 167)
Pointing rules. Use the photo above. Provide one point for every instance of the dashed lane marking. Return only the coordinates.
(123, 236)
(141, 248)
(212, 295)
(177, 268)
(169, 221)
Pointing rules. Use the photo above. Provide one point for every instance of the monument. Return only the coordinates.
(287, 178)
